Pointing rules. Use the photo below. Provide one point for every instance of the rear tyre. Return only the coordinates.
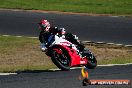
(61, 60)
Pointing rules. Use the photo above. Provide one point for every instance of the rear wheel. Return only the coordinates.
(60, 59)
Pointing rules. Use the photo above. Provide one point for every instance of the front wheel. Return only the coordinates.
(60, 59)
(92, 62)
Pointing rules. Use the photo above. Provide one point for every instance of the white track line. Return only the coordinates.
(83, 41)
(114, 65)
(108, 65)
(8, 73)
(19, 36)
(33, 37)
(114, 16)
(6, 35)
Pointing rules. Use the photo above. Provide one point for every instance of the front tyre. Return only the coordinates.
(92, 62)
(61, 60)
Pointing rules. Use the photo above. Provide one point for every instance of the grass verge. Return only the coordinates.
(22, 54)
(116, 7)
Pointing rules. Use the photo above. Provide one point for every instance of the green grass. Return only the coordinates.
(117, 60)
(23, 54)
(118, 7)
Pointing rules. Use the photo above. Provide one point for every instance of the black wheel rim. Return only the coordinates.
(92, 59)
(62, 58)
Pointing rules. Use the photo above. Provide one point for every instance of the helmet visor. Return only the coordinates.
(43, 27)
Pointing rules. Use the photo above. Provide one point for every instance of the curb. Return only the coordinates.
(104, 43)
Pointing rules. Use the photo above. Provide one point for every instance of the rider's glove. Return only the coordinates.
(43, 47)
(75, 37)
(62, 31)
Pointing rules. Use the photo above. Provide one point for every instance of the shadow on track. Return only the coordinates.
(37, 71)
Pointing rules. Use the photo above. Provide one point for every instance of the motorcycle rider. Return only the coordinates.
(47, 32)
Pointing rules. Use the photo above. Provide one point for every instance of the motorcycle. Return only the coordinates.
(65, 55)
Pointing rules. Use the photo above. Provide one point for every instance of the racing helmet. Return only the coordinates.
(44, 25)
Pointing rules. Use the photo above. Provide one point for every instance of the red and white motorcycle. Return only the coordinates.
(65, 55)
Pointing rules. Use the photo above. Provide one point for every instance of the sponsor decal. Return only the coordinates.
(82, 62)
(86, 81)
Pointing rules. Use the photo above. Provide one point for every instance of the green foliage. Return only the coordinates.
(82, 6)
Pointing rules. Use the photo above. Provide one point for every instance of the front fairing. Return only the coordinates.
(70, 48)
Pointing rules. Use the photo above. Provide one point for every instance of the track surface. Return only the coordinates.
(69, 79)
(92, 28)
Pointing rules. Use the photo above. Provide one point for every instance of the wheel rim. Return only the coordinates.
(63, 59)
(91, 58)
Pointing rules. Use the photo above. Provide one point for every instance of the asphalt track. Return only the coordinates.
(66, 79)
(92, 28)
